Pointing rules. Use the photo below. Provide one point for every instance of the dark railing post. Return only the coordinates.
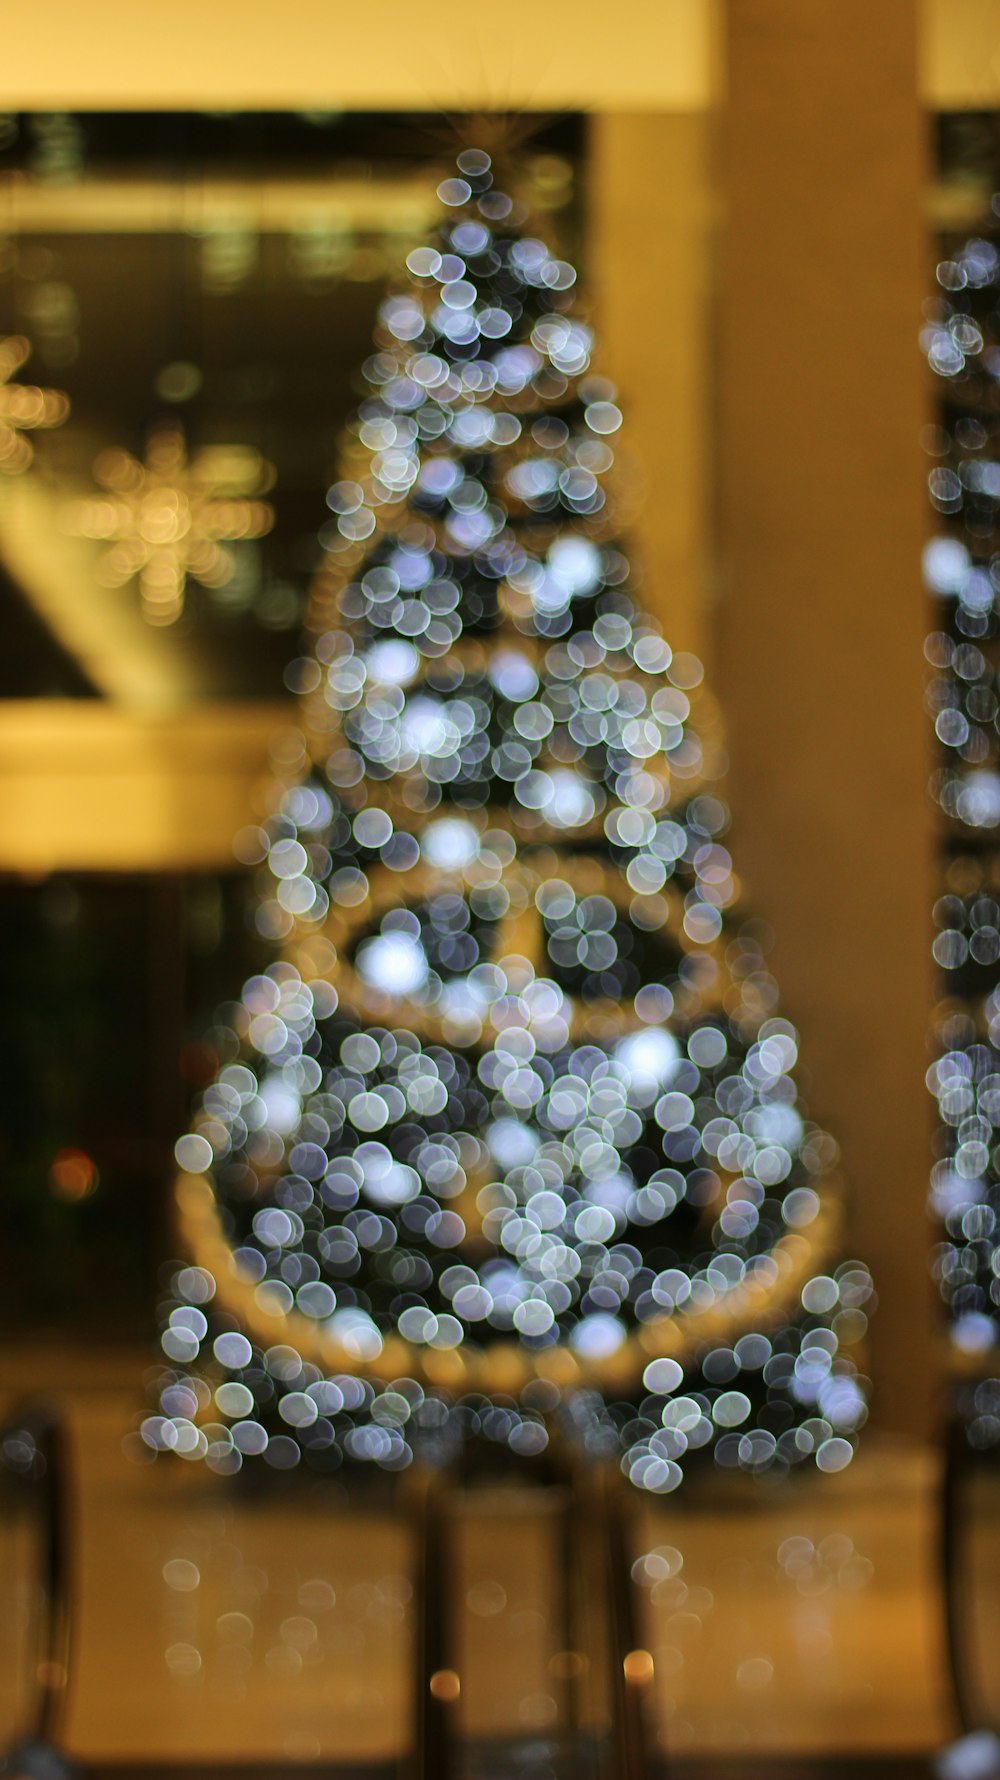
(631, 1666)
(437, 1683)
(33, 1459)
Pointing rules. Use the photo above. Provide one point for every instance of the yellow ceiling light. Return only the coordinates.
(23, 407)
(170, 517)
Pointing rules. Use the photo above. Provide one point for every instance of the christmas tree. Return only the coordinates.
(505, 1142)
(962, 567)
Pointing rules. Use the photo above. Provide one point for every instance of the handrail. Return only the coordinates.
(960, 1461)
(583, 1494)
(36, 1428)
(433, 1739)
(628, 1662)
(32, 1456)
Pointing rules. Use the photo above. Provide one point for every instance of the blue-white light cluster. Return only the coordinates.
(962, 571)
(508, 1135)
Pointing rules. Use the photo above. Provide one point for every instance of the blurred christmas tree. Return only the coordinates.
(962, 569)
(506, 1139)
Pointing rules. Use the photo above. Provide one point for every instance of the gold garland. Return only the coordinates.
(324, 735)
(504, 1367)
(771, 1294)
(519, 935)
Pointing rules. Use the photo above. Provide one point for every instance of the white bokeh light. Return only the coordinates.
(394, 963)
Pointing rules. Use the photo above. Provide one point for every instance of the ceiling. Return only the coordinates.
(222, 272)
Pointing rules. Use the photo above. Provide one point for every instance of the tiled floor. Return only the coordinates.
(223, 1624)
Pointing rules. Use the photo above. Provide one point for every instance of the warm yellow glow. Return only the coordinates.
(567, 1665)
(400, 204)
(89, 788)
(959, 54)
(445, 1685)
(23, 408)
(168, 518)
(313, 55)
(73, 1175)
(125, 661)
(638, 1667)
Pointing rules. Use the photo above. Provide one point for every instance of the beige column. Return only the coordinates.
(822, 617)
(648, 269)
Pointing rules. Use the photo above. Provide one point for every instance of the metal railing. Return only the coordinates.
(586, 1511)
(34, 1579)
(590, 1514)
(970, 1547)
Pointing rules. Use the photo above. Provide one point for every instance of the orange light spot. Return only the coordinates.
(51, 1674)
(73, 1175)
(566, 1665)
(638, 1666)
(445, 1685)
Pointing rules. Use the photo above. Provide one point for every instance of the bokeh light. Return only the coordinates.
(506, 1139)
(73, 1175)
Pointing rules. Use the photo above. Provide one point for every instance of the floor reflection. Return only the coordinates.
(806, 1619)
(220, 1621)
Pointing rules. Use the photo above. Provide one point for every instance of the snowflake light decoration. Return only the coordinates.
(23, 408)
(170, 517)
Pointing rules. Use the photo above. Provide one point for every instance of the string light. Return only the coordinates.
(507, 1135)
(961, 343)
(171, 518)
(23, 408)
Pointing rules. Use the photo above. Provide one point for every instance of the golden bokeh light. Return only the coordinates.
(172, 517)
(24, 408)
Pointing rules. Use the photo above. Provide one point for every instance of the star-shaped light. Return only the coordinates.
(23, 407)
(168, 518)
